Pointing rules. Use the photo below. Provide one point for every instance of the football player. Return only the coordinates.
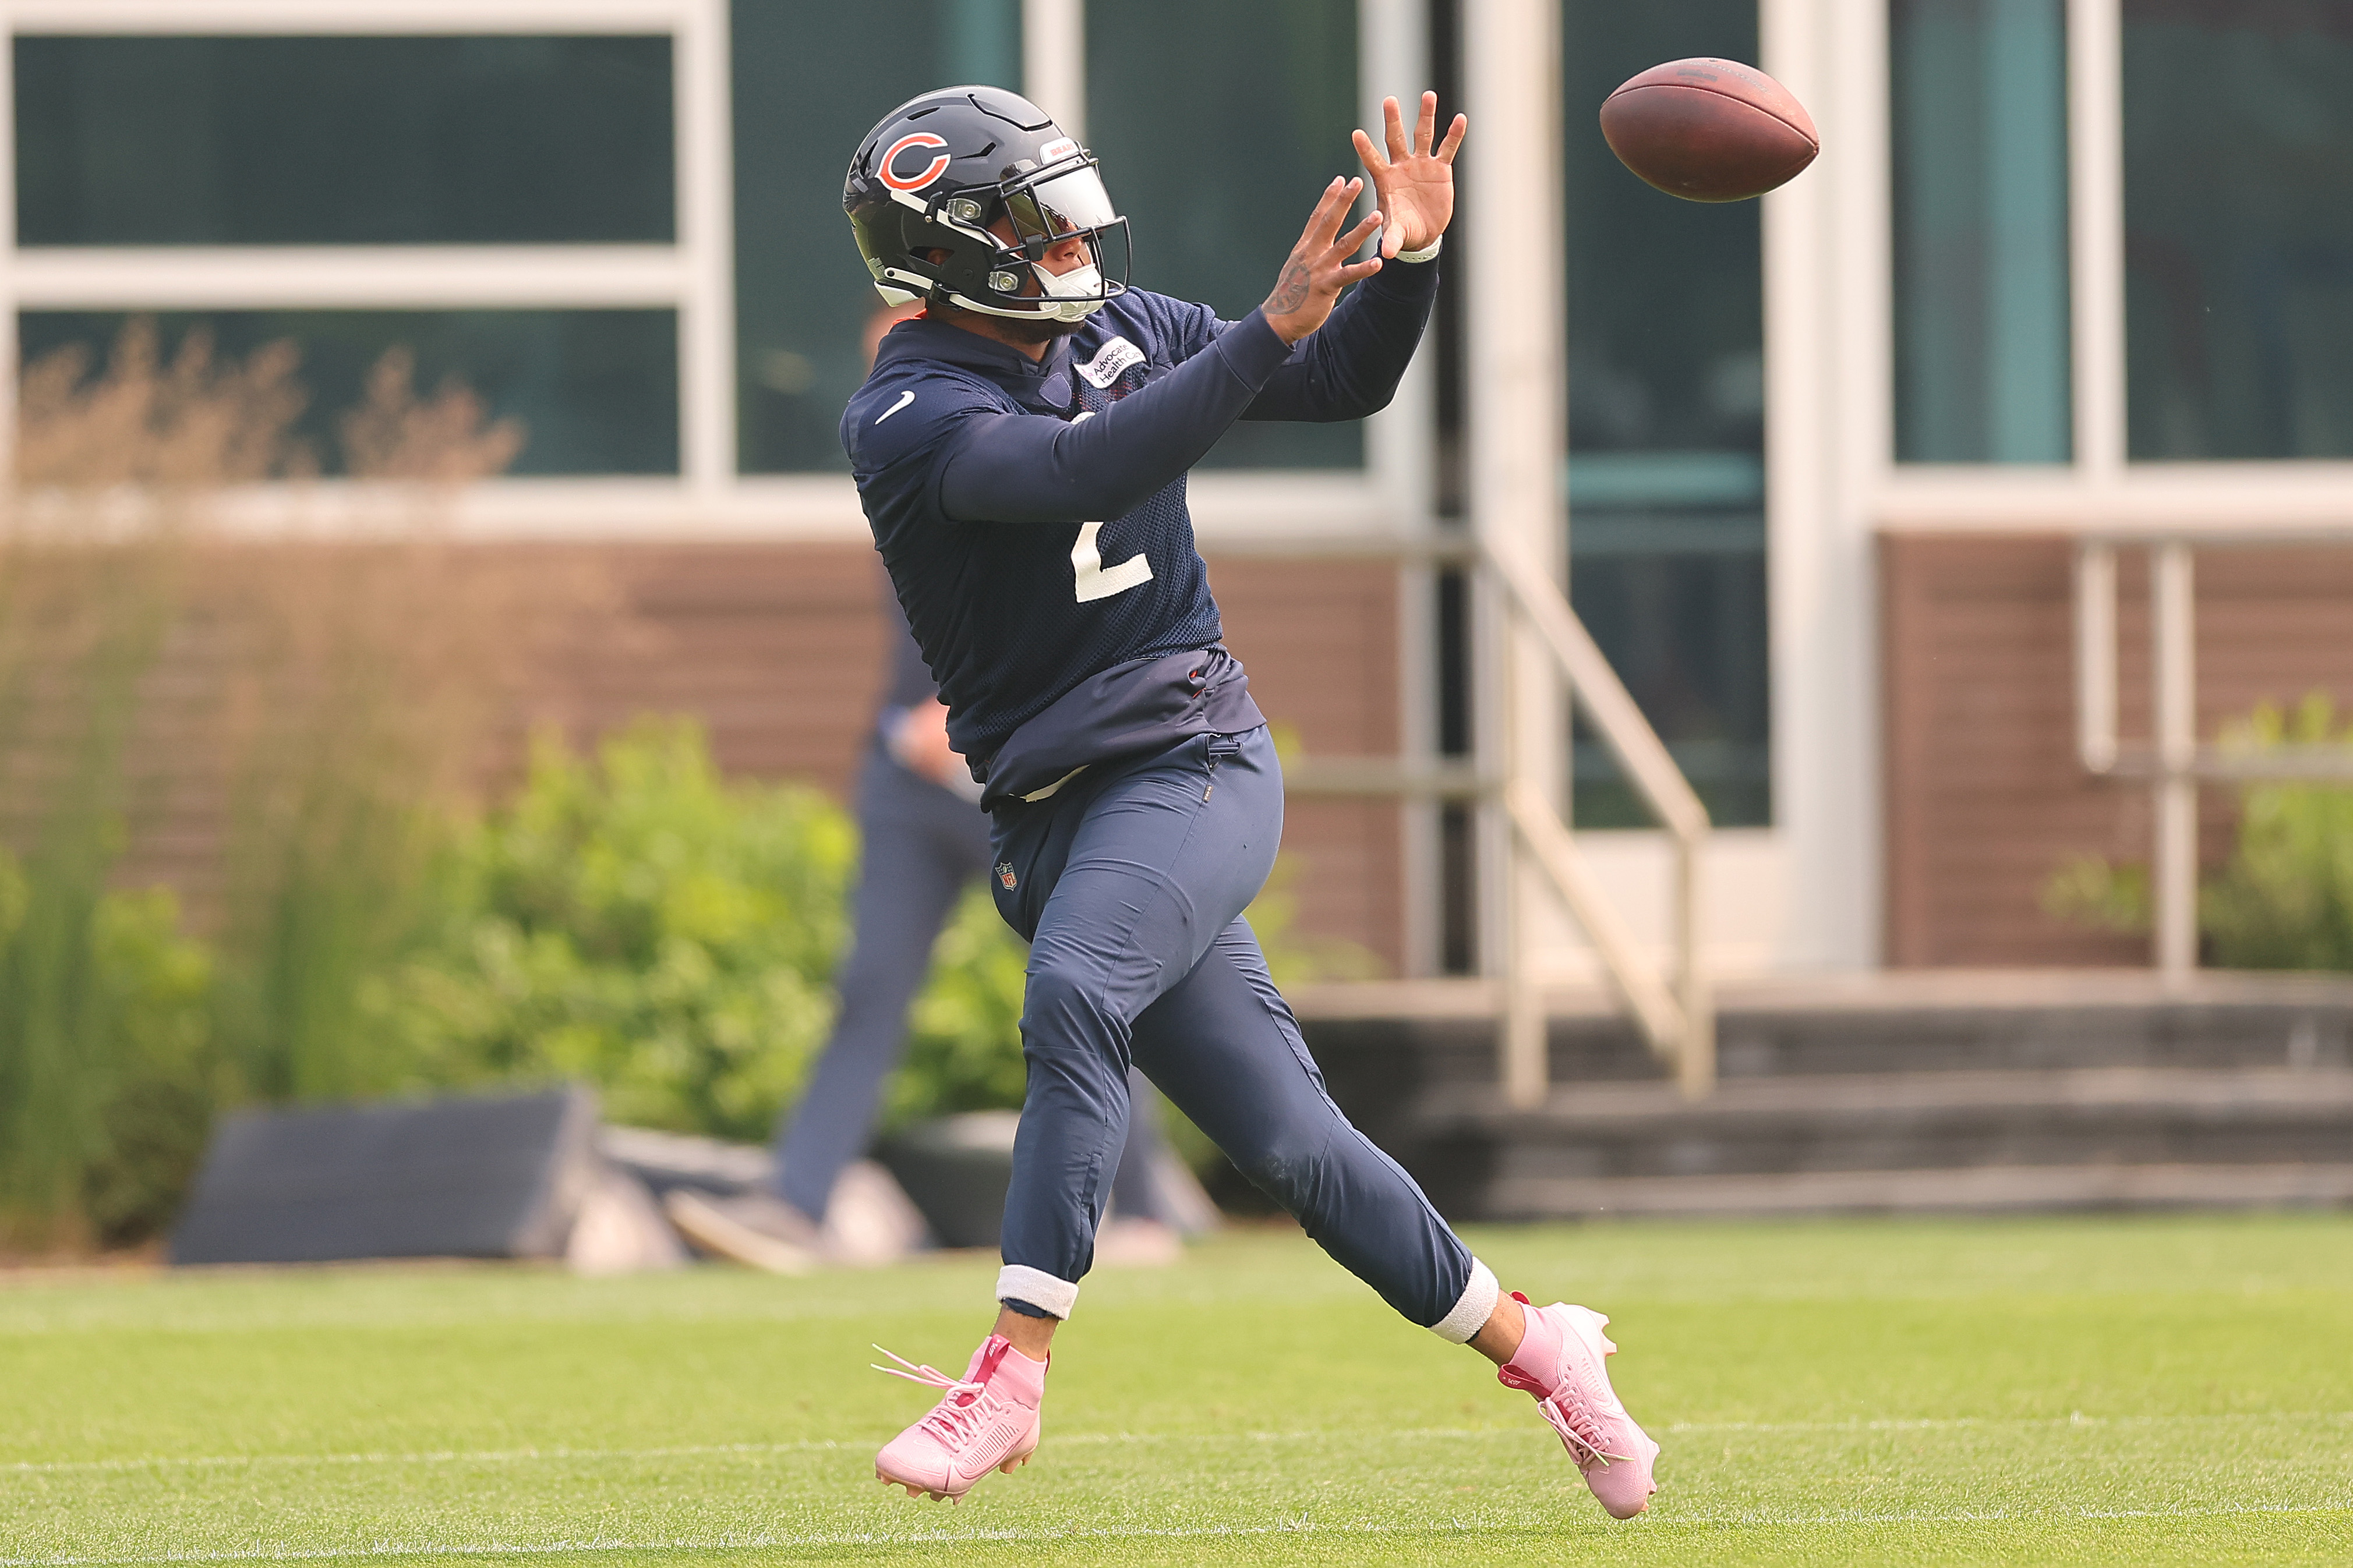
(1021, 451)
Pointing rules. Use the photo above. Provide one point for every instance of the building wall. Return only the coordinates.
(1983, 795)
(778, 649)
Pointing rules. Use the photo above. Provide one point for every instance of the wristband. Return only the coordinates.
(1425, 253)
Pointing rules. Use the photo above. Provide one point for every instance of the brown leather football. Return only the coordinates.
(1709, 131)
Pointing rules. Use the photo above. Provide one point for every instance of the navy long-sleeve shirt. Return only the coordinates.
(1033, 514)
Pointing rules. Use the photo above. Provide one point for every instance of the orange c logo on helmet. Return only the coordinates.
(937, 167)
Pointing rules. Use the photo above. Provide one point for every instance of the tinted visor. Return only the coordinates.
(1070, 201)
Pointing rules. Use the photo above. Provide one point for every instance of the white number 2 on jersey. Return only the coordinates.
(1094, 580)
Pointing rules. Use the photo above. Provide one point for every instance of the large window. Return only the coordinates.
(1666, 475)
(1171, 102)
(1218, 123)
(2239, 228)
(595, 392)
(223, 181)
(1979, 156)
(344, 141)
(628, 236)
(809, 82)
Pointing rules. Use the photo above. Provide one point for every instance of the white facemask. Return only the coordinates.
(1080, 290)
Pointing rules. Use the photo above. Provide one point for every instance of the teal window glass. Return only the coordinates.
(344, 141)
(1979, 116)
(2238, 228)
(809, 81)
(1666, 429)
(1218, 123)
(596, 391)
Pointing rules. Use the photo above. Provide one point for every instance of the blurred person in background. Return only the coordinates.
(925, 843)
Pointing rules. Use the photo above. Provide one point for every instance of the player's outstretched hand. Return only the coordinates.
(1414, 184)
(1319, 267)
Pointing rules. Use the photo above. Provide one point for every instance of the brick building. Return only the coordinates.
(2064, 266)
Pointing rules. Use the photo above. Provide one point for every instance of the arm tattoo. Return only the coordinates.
(1290, 291)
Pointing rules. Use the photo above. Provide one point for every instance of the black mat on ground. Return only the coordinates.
(474, 1177)
(956, 1169)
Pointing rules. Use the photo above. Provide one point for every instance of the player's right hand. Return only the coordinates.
(1319, 267)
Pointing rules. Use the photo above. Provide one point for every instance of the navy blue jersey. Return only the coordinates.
(910, 680)
(1032, 516)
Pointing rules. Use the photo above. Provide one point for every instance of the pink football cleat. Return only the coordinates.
(987, 1419)
(1560, 1362)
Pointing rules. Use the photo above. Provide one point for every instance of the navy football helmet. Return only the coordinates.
(942, 172)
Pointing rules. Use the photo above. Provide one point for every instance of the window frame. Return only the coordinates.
(693, 276)
(2103, 487)
(1833, 486)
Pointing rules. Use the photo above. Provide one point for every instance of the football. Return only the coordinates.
(1709, 131)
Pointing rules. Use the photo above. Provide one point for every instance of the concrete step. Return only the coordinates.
(1833, 1141)
(1982, 1190)
(1399, 1039)
(1926, 1089)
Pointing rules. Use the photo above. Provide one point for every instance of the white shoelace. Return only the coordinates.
(1563, 1424)
(956, 1423)
(1585, 1437)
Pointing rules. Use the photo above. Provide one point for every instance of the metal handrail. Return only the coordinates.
(1677, 1018)
(1600, 693)
(1679, 1022)
(2172, 761)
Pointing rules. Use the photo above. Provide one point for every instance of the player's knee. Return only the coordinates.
(1064, 1009)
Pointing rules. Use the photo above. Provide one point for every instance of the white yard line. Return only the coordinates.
(1293, 1527)
(439, 1457)
(1066, 1439)
(2076, 1419)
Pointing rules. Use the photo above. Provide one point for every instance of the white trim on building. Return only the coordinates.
(694, 276)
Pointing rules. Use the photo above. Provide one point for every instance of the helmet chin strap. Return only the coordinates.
(1071, 296)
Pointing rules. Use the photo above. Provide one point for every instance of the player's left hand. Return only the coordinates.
(920, 740)
(1413, 186)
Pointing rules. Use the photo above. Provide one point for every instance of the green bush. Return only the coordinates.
(2091, 891)
(156, 1115)
(2285, 900)
(636, 921)
(105, 1062)
(631, 920)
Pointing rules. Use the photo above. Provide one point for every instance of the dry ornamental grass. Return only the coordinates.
(258, 719)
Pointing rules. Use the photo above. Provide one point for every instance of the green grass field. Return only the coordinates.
(2094, 1391)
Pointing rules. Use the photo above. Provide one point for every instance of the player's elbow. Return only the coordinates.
(1339, 400)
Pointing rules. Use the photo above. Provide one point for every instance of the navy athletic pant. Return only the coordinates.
(923, 845)
(1130, 882)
